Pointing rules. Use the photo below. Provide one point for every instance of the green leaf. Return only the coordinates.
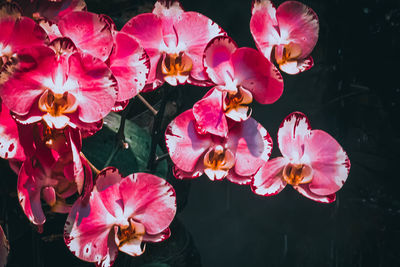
(99, 147)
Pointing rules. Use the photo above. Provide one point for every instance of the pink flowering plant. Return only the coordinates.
(66, 72)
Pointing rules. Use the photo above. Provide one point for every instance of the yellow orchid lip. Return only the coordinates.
(217, 162)
(295, 174)
(287, 53)
(176, 64)
(130, 232)
(236, 106)
(57, 104)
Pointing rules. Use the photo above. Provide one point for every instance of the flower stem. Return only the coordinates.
(94, 169)
(156, 131)
(147, 104)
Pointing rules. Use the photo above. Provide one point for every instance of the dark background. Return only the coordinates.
(352, 92)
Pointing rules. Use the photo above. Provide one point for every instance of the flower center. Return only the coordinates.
(126, 234)
(295, 174)
(288, 52)
(57, 104)
(217, 162)
(236, 105)
(176, 65)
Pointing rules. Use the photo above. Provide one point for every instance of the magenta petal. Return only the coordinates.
(4, 248)
(216, 59)
(158, 237)
(298, 24)
(98, 87)
(251, 144)
(147, 29)
(305, 191)
(21, 33)
(185, 145)
(198, 171)
(292, 134)
(130, 66)
(10, 147)
(78, 171)
(209, 113)
(263, 26)
(87, 231)
(29, 195)
(107, 177)
(194, 31)
(148, 199)
(24, 86)
(329, 162)
(295, 67)
(50, 28)
(268, 180)
(90, 33)
(257, 74)
(237, 179)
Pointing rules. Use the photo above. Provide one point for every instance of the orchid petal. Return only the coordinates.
(209, 113)
(130, 66)
(194, 31)
(292, 133)
(22, 88)
(237, 179)
(305, 191)
(216, 59)
(97, 86)
(251, 145)
(185, 145)
(329, 162)
(149, 200)
(157, 237)
(87, 231)
(297, 66)
(268, 180)
(257, 74)
(147, 29)
(298, 24)
(29, 195)
(89, 32)
(10, 146)
(263, 26)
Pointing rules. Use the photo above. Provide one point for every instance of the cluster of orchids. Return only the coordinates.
(63, 69)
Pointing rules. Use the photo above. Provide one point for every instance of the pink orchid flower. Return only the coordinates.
(10, 146)
(53, 170)
(96, 35)
(4, 248)
(174, 40)
(237, 157)
(313, 162)
(287, 34)
(76, 90)
(241, 74)
(17, 34)
(120, 215)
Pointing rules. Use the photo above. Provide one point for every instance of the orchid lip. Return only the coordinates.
(177, 65)
(56, 105)
(295, 174)
(236, 105)
(287, 52)
(217, 162)
(126, 234)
